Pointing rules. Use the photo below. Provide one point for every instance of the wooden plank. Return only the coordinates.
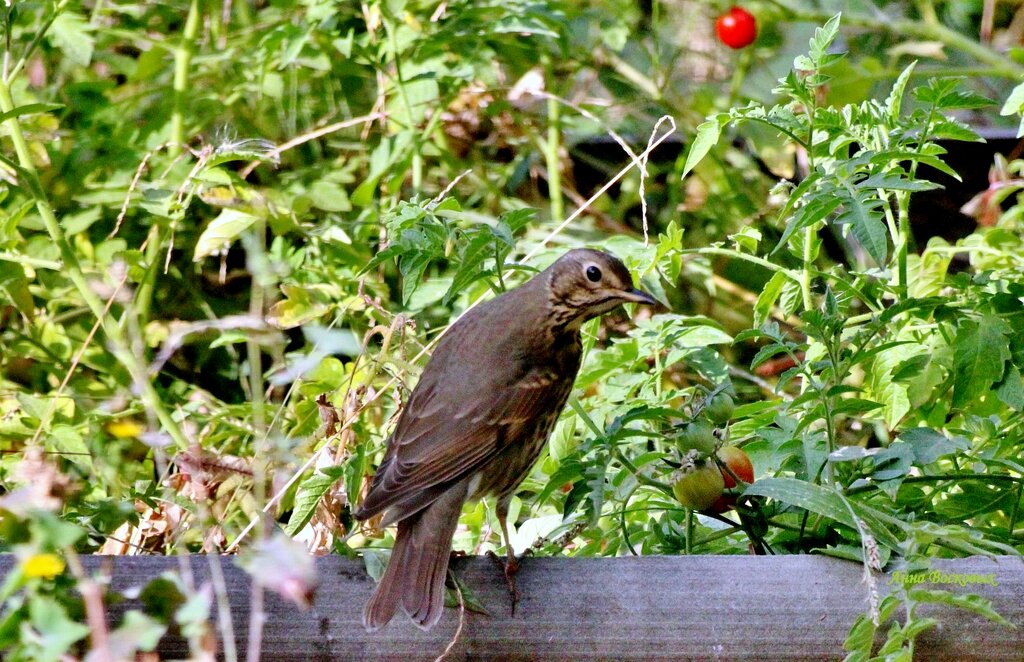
(646, 608)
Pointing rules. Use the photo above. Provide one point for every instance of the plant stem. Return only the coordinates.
(1000, 64)
(551, 148)
(902, 247)
(34, 262)
(640, 476)
(805, 273)
(182, 60)
(689, 531)
(725, 252)
(36, 40)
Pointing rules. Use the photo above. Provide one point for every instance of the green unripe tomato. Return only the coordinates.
(720, 409)
(699, 436)
(700, 488)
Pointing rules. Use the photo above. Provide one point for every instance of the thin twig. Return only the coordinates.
(258, 616)
(312, 135)
(132, 187)
(448, 189)
(458, 630)
(651, 146)
(220, 590)
(95, 614)
(643, 166)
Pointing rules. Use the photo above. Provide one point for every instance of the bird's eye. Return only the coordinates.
(593, 274)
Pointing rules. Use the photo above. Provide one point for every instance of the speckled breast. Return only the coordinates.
(504, 474)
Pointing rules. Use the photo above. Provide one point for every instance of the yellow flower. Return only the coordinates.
(125, 428)
(46, 566)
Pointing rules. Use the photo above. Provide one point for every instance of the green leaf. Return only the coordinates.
(946, 94)
(71, 34)
(952, 129)
(928, 158)
(701, 336)
(310, 492)
(818, 208)
(55, 632)
(521, 25)
(137, 632)
(894, 103)
(855, 406)
(29, 109)
(825, 502)
(65, 440)
(860, 639)
(972, 603)
(860, 212)
(1014, 103)
(301, 304)
(981, 353)
(15, 283)
(375, 561)
(479, 249)
(1011, 389)
(707, 137)
(769, 295)
(329, 196)
(822, 40)
(1015, 106)
(221, 232)
(929, 445)
(894, 182)
(804, 495)
(563, 439)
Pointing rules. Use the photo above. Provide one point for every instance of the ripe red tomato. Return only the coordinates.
(701, 488)
(736, 28)
(739, 463)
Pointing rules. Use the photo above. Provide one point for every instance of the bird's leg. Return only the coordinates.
(510, 566)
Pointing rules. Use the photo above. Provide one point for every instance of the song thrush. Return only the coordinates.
(478, 419)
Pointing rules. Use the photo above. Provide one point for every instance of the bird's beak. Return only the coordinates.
(638, 296)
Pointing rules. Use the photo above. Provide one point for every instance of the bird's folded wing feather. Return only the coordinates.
(437, 443)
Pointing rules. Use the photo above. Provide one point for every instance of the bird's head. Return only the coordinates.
(586, 283)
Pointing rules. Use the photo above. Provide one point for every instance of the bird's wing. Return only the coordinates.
(439, 441)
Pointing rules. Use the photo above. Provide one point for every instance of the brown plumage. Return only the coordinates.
(478, 419)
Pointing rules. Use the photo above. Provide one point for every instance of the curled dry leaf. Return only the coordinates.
(155, 530)
(41, 485)
(201, 472)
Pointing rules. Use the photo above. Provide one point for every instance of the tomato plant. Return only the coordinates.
(737, 28)
(720, 409)
(699, 436)
(738, 462)
(700, 487)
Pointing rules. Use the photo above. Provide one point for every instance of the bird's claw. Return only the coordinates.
(509, 568)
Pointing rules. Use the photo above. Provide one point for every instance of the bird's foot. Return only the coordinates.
(509, 567)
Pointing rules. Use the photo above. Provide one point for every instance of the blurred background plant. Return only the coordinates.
(230, 233)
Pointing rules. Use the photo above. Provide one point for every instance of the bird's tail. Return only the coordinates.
(416, 572)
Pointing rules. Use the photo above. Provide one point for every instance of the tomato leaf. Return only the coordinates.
(972, 603)
(829, 504)
(310, 492)
(707, 137)
(981, 353)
